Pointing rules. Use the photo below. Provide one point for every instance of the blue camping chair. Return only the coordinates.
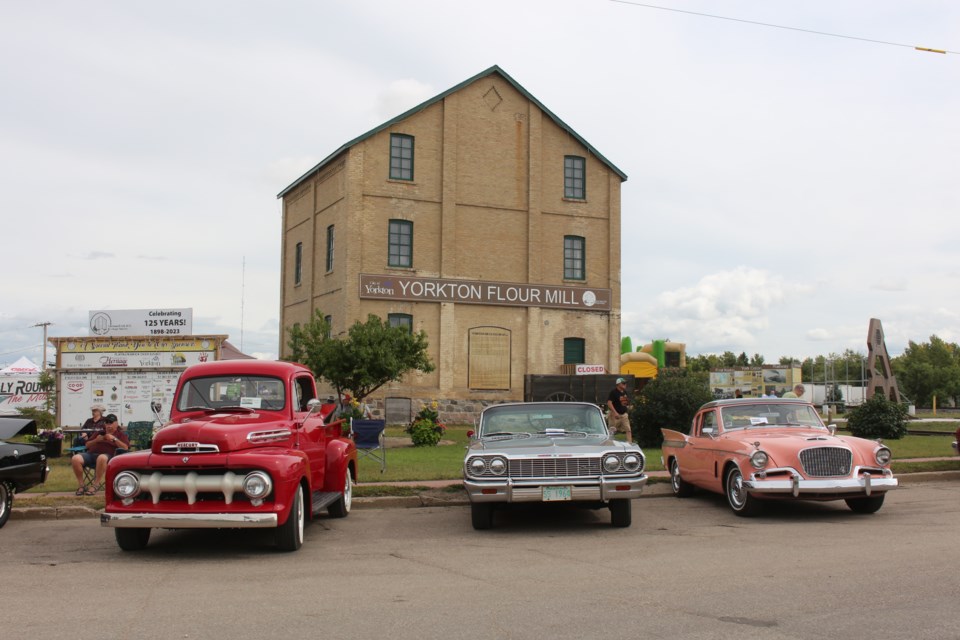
(368, 436)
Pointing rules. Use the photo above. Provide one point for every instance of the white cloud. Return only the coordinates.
(784, 187)
(401, 95)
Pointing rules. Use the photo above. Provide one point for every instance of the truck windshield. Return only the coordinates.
(218, 392)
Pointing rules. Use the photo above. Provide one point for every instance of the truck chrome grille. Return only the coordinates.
(189, 447)
(228, 486)
(826, 461)
(554, 467)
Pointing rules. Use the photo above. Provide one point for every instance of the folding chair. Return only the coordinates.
(368, 436)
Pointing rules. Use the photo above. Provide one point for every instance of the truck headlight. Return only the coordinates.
(759, 459)
(126, 484)
(883, 455)
(257, 485)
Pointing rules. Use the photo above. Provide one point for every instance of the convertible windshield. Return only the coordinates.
(220, 392)
(744, 416)
(547, 419)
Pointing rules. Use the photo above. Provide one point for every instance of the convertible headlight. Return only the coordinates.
(611, 463)
(883, 455)
(477, 466)
(498, 466)
(759, 459)
(257, 485)
(126, 484)
(632, 462)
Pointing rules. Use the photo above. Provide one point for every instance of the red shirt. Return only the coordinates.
(103, 446)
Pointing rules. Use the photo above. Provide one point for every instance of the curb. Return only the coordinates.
(652, 490)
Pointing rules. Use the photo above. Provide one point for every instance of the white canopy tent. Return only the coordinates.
(22, 366)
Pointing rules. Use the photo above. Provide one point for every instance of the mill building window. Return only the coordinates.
(574, 178)
(400, 249)
(330, 236)
(401, 157)
(574, 258)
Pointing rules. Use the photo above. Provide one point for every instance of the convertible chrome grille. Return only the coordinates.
(826, 461)
(554, 467)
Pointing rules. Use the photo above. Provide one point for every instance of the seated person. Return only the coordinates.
(101, 446)
(91, 426)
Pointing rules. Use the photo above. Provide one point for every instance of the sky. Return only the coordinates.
(783, 188)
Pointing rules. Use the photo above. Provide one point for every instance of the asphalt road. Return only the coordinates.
(685, 569)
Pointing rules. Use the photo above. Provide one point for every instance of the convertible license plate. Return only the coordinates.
(551, 494)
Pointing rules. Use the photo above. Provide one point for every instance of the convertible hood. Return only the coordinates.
(10, 427)
(550, 445)
(228, 431)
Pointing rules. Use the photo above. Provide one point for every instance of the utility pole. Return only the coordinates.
(43, 367)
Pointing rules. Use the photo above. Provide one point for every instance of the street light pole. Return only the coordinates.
(43, 366)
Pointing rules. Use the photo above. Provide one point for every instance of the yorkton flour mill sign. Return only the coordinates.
(483, 292)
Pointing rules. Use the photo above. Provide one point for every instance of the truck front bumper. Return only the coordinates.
(189, 520)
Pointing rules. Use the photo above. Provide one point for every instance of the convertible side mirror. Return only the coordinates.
(832, 428)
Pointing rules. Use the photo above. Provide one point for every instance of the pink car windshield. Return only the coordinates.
(743, 416)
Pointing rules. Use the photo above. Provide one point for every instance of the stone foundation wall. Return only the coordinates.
(451, 411)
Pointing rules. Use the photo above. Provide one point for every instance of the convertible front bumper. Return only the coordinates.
(863, 483)
(531, 489)
(189, 520)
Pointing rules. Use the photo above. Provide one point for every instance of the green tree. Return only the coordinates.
(878, 417)
(756, 360)
(371, 355)
(743, 360)
(668, 401)
(929, 369)
(43, 417)
(704, 363)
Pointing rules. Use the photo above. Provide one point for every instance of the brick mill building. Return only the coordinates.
(479, 217)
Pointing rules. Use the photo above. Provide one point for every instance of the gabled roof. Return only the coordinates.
(420, 107)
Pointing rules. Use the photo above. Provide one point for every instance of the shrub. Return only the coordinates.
(426, 428)
(878, 417)
(668, 401)
(425, 433)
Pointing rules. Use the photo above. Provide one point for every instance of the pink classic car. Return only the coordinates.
(759, 449)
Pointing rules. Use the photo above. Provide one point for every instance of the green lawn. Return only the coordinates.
(444, 462)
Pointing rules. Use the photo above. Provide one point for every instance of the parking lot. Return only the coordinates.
(686, 568)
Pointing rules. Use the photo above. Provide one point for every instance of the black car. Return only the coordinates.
(21, 465)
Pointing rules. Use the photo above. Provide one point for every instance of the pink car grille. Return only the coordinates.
(826, 461)
(554, 467)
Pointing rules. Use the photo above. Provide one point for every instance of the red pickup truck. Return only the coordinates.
(248, 445)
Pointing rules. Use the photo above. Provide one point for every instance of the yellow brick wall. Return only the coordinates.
(486, 203)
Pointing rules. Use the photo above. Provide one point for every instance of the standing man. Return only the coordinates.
(618, 403)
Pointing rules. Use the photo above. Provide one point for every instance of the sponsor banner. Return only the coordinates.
(20, 391)
(141, 322)
(413, 289)
(144, 360)
(131, 395)
(137, 345)
(589, 369)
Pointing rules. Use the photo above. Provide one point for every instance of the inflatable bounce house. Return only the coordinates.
(644, 363)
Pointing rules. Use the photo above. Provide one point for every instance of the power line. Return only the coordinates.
(780, 26)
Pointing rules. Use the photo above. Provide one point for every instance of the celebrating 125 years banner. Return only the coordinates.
(513, 294)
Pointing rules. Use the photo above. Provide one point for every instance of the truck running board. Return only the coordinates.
(322, 500)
